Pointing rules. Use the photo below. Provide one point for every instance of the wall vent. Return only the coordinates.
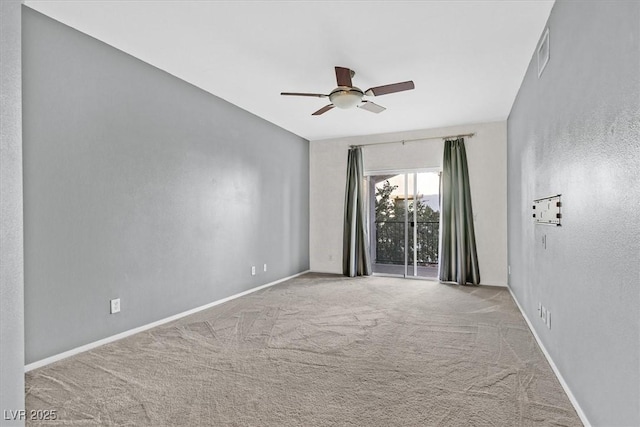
(543, 52)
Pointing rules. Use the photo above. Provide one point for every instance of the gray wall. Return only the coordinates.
(11, 255)
(576, 131)
(140, 186)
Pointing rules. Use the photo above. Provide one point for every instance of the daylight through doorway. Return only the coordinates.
(404, 219)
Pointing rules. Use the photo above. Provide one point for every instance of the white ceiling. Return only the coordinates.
(467, 58)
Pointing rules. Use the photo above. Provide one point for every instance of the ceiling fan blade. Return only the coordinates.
(370, 106)
(343, 76)
(317, 95)
(392, 88)
(323, 110)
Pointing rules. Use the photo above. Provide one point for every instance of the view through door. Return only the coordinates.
(404, 219)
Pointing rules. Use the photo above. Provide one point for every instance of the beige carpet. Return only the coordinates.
(319, 350)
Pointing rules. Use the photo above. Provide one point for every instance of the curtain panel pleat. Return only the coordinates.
(458, 254)
(355, 253)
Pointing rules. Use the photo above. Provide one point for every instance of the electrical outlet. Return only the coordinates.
(265, 268)
(115, 306)
(544, 314)
(253, 270)
(509, 269)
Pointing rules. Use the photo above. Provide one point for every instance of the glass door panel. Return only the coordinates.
(387, 224)
(404, 223)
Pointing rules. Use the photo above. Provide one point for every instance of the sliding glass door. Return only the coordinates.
(404, 218)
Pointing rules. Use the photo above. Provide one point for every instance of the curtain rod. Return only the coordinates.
(402, 141)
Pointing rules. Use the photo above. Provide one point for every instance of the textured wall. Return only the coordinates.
(487, 158)
(576, 131)
(11, 253)
(143, 187)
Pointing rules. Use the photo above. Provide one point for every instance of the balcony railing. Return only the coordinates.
(390, 243)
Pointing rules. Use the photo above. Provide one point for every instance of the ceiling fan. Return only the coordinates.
(348, 96)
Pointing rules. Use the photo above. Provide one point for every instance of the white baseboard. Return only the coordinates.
(563, 383)
(83, 348)
(326, 272)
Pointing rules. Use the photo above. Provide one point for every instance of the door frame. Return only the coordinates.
(405, 172)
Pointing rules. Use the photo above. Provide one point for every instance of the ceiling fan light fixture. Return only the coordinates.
(346, 98)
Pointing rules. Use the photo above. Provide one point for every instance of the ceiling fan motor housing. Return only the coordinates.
(346, 97)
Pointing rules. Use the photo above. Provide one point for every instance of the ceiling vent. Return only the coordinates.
(543, 52)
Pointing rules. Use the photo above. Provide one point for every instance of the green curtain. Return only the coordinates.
(458, 254)
(355, 253)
